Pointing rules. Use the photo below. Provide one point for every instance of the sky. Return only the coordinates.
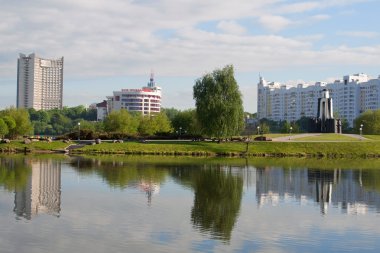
(110, 45)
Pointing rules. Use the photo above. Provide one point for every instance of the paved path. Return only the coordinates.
(297, 136)
(294, 137)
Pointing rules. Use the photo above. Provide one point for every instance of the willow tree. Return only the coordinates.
(219, 105)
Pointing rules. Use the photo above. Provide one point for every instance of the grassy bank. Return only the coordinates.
(318, 149)
(321, 148)
(40, 146)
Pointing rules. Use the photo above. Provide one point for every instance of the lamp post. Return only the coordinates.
(290, 131)
(361, 131)
(78, 131)
(258, 130)
(179, 132)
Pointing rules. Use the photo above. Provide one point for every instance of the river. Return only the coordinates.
(179, 204)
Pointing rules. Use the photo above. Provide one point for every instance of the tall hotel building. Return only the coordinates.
(146, 100)
(39, 82)
(352, 95)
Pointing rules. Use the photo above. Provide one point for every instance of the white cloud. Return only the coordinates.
(122, 38)
(231, 27)
(359, 34)
(320, 17)
(274, 23)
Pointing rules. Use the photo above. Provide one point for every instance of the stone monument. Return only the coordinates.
(325, 122)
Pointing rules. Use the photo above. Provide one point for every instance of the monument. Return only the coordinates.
(325, 122)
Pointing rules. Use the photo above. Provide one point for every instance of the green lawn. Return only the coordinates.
(359, 148)
(329, 149)
(372, 137)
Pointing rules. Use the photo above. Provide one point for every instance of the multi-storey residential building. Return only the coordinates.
(39, 82)
(146, 100)
(351, 96)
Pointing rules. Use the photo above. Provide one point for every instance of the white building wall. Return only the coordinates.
(351, 96)
(39, 82)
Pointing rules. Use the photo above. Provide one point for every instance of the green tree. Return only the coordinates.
(171, 112)
(121, 121)
(370, 121)
(150, 125)
(21, 118)
(11, 123)
(3, 128)
(187, 120)
(162, 123)
(146, 126)
(219, 104)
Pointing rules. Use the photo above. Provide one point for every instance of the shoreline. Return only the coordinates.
(331, 150)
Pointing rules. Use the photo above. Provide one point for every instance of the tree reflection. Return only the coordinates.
(14, 173)
(218, 194)
(371, 179)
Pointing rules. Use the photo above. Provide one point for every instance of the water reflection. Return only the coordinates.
(42, 192)
(208, 193)
(36, 184)
(120, 174)
(217, 196)
(340, 188)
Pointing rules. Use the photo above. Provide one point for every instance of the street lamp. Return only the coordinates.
(361, 130)
(258, 130)
(179, 132)
(78, 131)
(290, 131)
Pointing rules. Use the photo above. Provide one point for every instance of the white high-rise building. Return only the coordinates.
(39, 82)
(146, 100)
(351, 96)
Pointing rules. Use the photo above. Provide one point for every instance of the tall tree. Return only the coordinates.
(219, 104)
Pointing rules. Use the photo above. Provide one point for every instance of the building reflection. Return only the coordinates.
(339, 188)
(119, 174)
(42, 191)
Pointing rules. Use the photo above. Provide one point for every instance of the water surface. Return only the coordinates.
(155, 204)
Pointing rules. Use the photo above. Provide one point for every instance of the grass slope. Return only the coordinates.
(232, 148)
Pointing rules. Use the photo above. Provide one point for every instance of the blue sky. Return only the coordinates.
(113, 44)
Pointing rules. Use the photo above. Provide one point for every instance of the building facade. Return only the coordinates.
(146, 100)
(351, 96)
(39, 82)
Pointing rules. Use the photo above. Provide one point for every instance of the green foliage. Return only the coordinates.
(121, 121)
(370, 120)
(170, 112)
(187, 121)
(11, 123)
(3, 128)
(219, 105)
(162, 123)
(150, 125)
(18, 122)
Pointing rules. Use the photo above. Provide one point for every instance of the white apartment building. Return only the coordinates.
(39, 82)
(146, 100)
(351, 96)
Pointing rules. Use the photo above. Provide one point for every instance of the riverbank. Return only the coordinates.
(361, 149)
(237, 149)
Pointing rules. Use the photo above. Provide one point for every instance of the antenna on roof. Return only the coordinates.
(151, 83)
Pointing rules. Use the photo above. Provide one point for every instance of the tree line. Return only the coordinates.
(218, 113)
